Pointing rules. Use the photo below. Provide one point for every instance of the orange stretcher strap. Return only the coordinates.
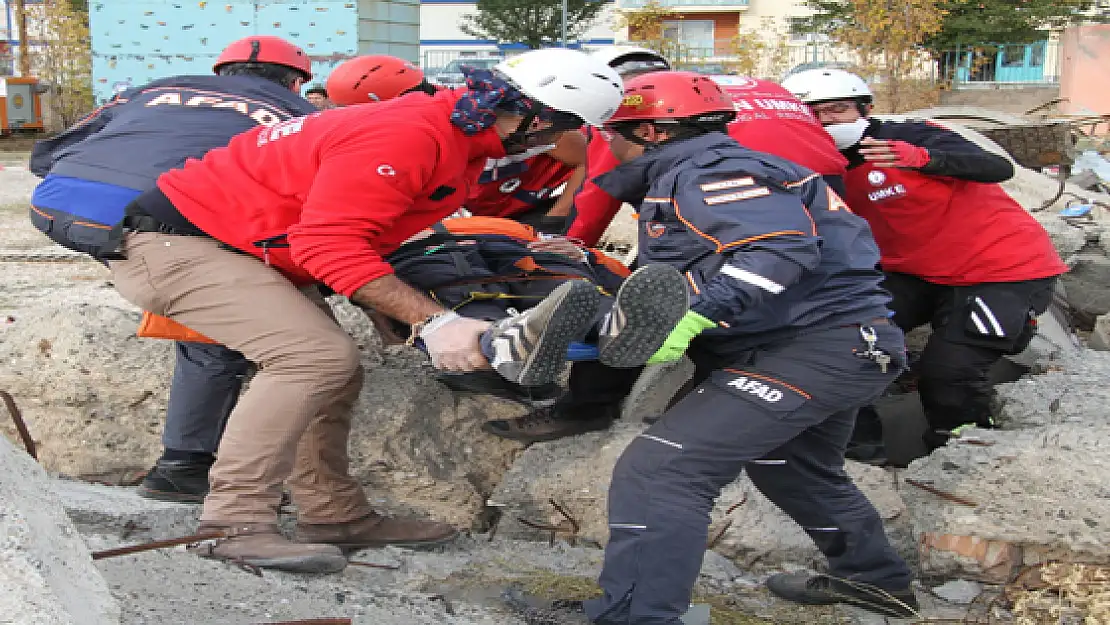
(490, 225)
(155, 326)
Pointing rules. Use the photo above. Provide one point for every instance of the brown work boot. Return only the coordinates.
(546, 424)
(375, 530)
(262, 545)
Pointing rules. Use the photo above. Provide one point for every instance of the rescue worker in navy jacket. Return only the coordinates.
(959, 253)
(94, 169)
(789, 330)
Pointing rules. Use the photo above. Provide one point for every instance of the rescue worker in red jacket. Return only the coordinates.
(769, 119)
(958, 252)
(484, 267)
(222, 245)
(535, 187)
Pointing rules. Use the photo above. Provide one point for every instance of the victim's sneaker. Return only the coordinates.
(649, 304)
(531, 348)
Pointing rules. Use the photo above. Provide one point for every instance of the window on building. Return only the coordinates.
(693, 34)
(1013, 56)
(1036, 56)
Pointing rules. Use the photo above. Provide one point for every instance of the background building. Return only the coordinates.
(134, 41)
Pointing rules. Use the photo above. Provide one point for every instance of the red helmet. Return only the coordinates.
(372, 78)
(683, 96)
(265, 49)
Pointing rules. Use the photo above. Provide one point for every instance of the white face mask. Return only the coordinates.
(847, 135)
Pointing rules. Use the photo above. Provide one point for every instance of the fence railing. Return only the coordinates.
(962, 67)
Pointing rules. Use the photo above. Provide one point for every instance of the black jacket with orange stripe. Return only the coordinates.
(767, 248)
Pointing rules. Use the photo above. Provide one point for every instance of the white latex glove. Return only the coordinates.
(452, 343)
(560, 245)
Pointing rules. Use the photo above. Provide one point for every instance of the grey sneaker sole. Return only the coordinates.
(570, 312)
(652, 301)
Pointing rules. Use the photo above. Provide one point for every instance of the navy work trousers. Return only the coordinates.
(783, 412)
(206, 383)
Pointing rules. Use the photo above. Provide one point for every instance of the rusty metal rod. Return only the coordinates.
(942, 494)
(387, 567)
(20, 425)
(157, 544)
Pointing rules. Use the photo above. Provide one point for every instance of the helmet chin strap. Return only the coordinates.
(517, 141)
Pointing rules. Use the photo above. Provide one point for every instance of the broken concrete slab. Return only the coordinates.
(46, 573)
(1066, 237)
(1039, 494)
(756, 531)
(1087, 285)
(655, 388)
(93, 393)
(121, 511)
(1074, 392)
(413, 441)
(575, 472)
(1100, 335)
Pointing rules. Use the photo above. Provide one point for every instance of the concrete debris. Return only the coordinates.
(1100, 335)
(575, 472)
(959, 591)
(46, 573)
(92, 393)
(1025, 514)
(1074, 393)
(655, 388)
(97, 509)
(412, 441)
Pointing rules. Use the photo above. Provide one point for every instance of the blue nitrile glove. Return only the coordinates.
(678, 341)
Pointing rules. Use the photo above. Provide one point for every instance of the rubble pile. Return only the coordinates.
(982, 509)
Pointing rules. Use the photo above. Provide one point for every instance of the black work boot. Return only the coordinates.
(547, 424)
(809, 589)
(491, 383)
(176, 481)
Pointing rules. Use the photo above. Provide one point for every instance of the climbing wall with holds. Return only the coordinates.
(135, 41)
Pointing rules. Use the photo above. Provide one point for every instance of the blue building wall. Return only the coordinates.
(135, 41)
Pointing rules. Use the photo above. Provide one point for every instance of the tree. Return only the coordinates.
(535, 23)
(761, 52)
(971, 22)
(887, 38)
(646, 26)
(65, 59)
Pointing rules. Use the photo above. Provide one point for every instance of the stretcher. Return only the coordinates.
(158, 327)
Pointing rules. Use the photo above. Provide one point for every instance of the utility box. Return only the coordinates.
(20, 105)
(136, 41)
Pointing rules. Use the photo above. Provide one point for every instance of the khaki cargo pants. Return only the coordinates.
(293, 422)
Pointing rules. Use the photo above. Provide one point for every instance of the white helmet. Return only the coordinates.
(566, 80)
(631, 59)
(822, 85)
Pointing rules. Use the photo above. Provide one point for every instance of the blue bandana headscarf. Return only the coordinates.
(486, 94)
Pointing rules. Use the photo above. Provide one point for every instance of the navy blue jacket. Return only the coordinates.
(767, 248)
(151, 129)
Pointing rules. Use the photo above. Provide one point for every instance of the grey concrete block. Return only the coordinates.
(46, 574)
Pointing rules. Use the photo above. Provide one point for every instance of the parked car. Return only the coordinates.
(451, 75)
